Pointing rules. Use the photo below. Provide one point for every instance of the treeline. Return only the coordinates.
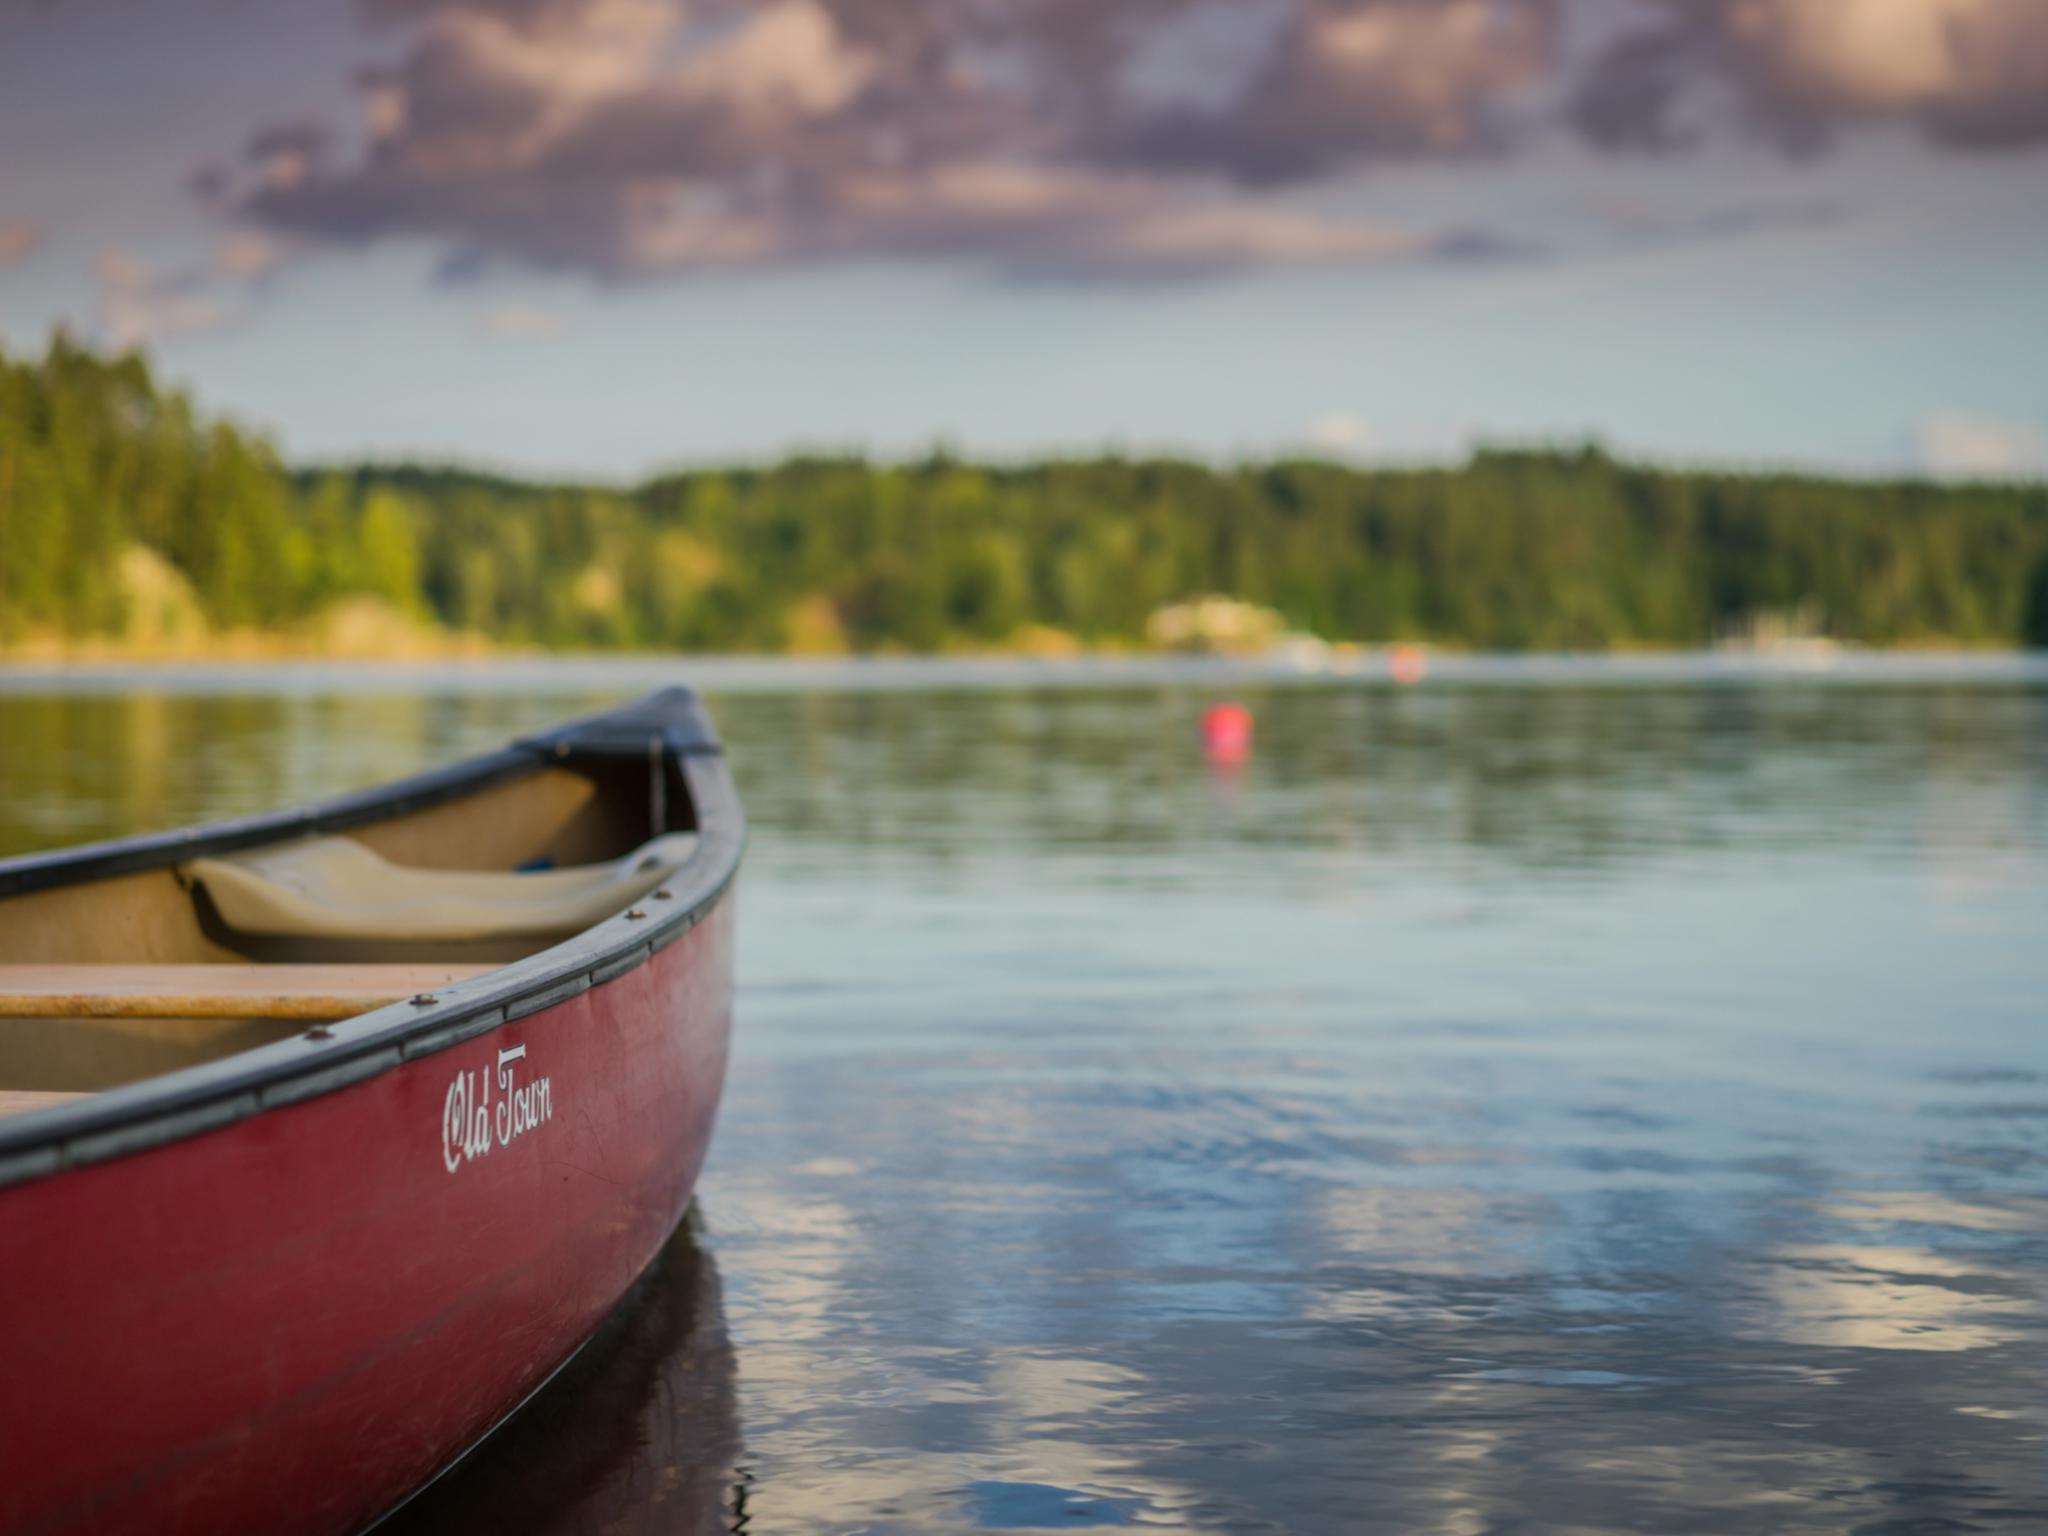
(104, 474)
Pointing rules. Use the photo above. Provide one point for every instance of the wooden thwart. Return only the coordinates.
(13, 1101)
(309, 992)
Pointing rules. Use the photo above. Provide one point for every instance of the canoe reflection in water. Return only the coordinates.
(640, 1432)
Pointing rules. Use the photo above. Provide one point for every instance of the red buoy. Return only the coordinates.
(1227, 733)
(1409, 664)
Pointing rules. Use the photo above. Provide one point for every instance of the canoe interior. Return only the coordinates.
(107, 981)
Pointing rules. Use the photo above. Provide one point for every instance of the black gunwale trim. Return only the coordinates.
(219, 1093)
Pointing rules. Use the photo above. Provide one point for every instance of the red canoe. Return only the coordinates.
(327, 1137)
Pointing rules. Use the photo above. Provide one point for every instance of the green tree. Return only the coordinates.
(391, 550)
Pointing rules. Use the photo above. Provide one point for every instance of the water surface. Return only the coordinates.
(1541, 1101)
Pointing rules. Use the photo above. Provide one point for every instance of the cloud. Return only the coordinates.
(519, 322)
(285, 154)
(1340, 435)
(1971, 71)
(1473, 244)
(138, 305)
(630, 138)
(19, 240)
(1345, 435)
(1971, 74)
(249, 256)
(1351, 82)
(1072, 138)
(1634, 221)
(1956, 446)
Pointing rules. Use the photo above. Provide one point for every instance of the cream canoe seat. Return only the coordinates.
(336, 888)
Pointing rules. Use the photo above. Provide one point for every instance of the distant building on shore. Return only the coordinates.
(1215, 624)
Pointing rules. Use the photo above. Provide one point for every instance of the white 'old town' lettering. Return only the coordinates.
(474, 1118)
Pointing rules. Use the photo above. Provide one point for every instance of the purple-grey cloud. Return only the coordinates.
(519, 322)
(1971, 74)
(139, 305)
(1630, 222)
(1054, 137)
(19, 240)
(1342, 84)
(629, 138)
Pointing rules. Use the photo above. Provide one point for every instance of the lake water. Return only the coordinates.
(1558, 1098)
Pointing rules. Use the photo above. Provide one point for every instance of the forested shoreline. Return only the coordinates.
(130, 518)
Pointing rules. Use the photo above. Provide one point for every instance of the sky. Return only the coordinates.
(603, 237)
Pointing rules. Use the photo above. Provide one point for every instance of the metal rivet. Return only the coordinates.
(319, 1032)
(425, 1000)
(637, 912)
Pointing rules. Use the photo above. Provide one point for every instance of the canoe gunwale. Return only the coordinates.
(669, 726)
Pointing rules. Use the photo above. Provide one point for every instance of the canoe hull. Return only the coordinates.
(293, 1321)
